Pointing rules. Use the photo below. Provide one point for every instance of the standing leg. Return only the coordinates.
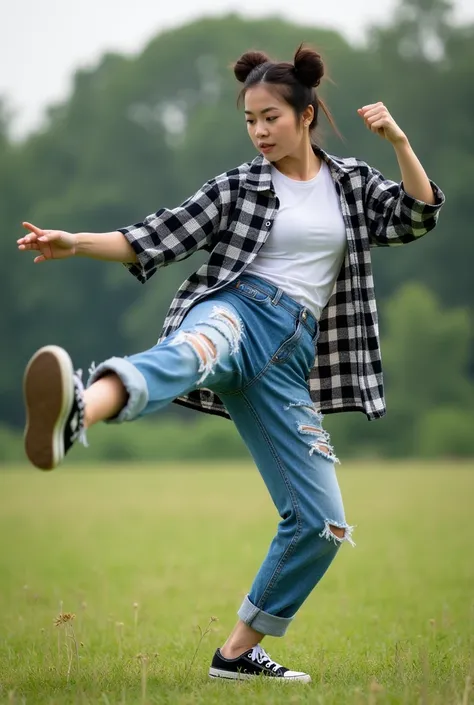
(277, 420)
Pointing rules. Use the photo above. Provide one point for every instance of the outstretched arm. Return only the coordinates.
(58, 244)
(162, 238)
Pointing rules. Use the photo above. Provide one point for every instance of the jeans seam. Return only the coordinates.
(295, 338)
(290, 549)
(271, 362)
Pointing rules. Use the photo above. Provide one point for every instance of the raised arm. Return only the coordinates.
(398, 213)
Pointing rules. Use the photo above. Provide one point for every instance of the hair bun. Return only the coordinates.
(309, 67)
(247, 63)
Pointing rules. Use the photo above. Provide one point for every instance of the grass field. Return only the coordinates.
(145, 557)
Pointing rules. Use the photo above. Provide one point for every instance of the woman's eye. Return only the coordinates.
(268, 119)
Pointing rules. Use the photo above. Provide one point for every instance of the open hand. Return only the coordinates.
(378, 120)
(52, 244)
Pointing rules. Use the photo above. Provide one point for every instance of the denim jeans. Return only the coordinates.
(254, 346)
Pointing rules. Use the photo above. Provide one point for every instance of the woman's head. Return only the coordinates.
(281, 104)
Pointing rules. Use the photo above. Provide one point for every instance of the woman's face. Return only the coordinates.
(272, 124)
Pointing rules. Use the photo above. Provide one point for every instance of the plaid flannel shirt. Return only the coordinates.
(231, 217)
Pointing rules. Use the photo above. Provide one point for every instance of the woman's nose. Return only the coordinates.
(261, 130)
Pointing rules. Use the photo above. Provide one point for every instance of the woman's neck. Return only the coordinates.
(300, 166)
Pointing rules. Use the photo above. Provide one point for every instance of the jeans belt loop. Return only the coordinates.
(277, 296)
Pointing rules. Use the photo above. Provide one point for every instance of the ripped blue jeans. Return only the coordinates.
(254, 346)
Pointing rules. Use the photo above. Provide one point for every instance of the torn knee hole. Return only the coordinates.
(337, 531)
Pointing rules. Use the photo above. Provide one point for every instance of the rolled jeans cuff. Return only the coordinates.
(261, 621)
(133, 381)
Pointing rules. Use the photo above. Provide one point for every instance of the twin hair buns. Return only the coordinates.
(307, 65)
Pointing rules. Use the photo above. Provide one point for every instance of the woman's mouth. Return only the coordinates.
(265, 148)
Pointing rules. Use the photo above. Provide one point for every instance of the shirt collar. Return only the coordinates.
(259, 176)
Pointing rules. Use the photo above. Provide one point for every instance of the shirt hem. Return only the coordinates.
(216, 411)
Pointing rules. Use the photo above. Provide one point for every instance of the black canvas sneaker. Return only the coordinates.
(253, 663)
(54, 403)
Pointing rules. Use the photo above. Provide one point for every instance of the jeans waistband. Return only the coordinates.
(280, 298)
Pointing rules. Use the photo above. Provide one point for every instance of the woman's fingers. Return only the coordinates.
(34, 229)
(378, 119)
(40, 258)
(372, 106)
(27, 240)
(28, 245)
(373, 115)
(37, 236)
(34, 234)
(377, 122)
(378, 110)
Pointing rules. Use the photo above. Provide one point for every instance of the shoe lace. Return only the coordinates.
(260, 656)
(80, 433)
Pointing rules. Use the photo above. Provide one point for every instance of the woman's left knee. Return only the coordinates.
(332, 528)
(337, 532)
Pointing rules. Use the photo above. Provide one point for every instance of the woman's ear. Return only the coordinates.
(308, 116)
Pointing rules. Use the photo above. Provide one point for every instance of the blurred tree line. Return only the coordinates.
(141, 132)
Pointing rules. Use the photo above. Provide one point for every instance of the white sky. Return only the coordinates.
(42, 42)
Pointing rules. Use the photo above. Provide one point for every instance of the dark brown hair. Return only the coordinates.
(296, 83)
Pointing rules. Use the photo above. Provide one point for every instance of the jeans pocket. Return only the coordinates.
(287, 348)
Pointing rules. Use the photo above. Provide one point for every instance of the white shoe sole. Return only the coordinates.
(233, 676)
(48, 392)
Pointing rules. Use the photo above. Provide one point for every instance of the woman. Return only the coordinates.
(289, 238)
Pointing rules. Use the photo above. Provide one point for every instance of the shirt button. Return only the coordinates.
(268, 223)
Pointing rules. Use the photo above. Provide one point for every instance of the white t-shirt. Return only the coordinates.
(306, 246)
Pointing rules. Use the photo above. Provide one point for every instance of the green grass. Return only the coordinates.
(392, 622)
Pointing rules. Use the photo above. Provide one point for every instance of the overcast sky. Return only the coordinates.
(42, 42)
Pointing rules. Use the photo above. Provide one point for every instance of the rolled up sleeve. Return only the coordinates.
(172, 235)
(395, 217)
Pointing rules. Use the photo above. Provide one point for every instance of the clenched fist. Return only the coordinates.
(378, 119)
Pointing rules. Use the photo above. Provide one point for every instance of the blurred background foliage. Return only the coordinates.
(144, 132)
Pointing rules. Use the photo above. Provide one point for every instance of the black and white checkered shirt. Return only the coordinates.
(231, 216)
